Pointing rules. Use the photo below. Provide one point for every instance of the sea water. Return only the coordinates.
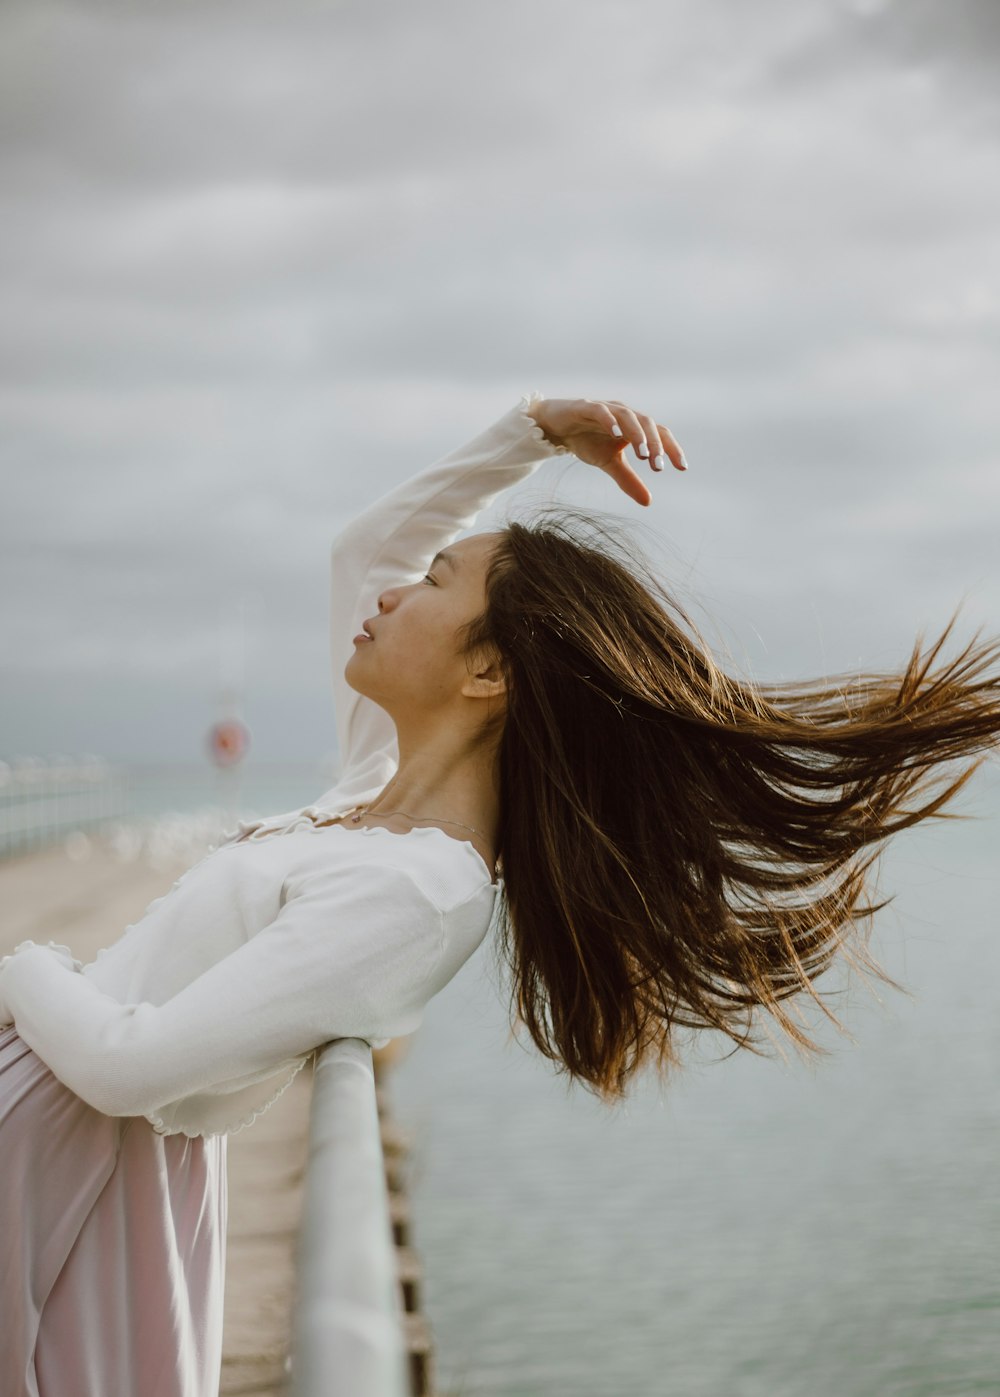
(759, 1228)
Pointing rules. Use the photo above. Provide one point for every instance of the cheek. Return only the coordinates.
(416, 652)
(428, 652)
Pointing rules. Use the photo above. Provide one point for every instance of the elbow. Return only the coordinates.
(112, 1084)
(112, 1097)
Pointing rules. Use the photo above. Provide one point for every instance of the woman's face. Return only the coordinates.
(412, 667)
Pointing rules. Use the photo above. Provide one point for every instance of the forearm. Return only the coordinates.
(405, 526)
(59, 1014)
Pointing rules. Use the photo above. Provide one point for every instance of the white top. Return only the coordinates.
(204, 1010)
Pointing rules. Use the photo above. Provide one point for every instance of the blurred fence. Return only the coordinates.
(42, 801)
(48, 800)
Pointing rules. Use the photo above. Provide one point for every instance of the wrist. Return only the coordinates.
(537, 408)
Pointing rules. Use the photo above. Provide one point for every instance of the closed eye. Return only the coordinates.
(427, 578)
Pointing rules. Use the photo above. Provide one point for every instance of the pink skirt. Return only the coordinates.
(112, 1246)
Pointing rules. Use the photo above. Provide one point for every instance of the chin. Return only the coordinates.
(350, 678)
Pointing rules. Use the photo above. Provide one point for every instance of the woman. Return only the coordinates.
(525, 729)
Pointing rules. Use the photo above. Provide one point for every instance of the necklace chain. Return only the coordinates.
(366, 809)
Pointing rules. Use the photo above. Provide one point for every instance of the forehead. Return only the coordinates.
(476, 545)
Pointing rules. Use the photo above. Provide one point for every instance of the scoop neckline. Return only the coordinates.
(307, 812)
(417, 829)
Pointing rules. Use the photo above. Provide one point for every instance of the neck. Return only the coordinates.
(438, 782)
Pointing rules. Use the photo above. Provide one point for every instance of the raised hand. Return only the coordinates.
(599, 430)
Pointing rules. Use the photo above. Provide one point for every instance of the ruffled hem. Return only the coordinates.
(52, 945)
(234, 1127)
(528, 400)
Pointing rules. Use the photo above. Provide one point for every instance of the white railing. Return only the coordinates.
(348, 1336)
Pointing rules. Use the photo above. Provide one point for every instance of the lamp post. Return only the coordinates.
(228, 738)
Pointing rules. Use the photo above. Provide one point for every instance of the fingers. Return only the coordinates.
(632, 429)
(626, 479)
(650, 441)
(669, 442)
(602, 413)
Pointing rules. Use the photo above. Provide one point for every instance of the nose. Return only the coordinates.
(389, 598)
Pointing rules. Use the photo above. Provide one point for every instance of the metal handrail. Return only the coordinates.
(347, 1326)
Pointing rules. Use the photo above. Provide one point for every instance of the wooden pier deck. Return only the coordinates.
(86, 904)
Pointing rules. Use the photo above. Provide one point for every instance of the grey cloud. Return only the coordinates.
(264, 262)
(955, 47)
(303, 92)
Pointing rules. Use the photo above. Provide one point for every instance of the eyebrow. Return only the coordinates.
(445, 558)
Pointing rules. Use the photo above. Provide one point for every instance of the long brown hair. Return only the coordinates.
(682, 849)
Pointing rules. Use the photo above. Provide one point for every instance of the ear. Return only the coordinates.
(485, 679)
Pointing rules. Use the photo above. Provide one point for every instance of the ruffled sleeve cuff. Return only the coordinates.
(529, 400)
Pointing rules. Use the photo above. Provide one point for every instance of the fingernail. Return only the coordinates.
(643, 450)
(657, 463)
(684, 464)
(616, 431)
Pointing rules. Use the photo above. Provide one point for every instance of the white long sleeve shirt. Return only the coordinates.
(290, 933)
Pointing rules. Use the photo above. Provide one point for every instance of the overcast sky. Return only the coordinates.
(262, 261)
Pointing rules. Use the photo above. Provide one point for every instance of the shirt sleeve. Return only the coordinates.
(347, 956)
(392, 543)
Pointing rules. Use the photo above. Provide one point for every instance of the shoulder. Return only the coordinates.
(448, 872)
(421, 877)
